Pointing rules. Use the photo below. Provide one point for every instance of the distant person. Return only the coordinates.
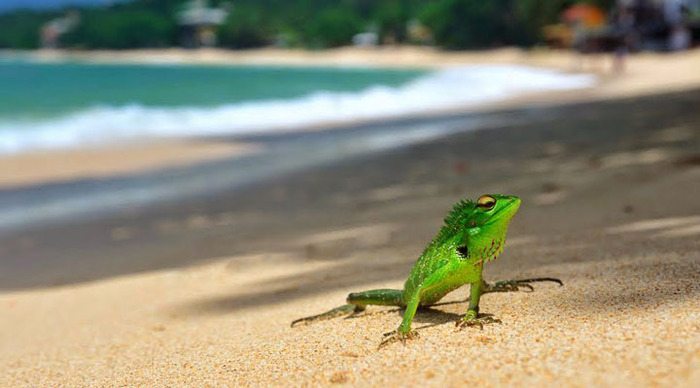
(624, 22)
(675, 12)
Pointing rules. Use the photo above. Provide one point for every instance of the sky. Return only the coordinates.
(6, 5)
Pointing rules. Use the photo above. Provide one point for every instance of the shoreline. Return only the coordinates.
(399, 57)
(646, 74)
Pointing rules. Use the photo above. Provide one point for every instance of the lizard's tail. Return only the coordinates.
(345, 309)
(357, 301)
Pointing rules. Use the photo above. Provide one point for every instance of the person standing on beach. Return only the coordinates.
(675, 12)
(624, 22)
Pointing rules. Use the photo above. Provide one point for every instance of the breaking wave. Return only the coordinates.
(444, 89)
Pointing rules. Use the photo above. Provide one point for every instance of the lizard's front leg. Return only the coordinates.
(472, 318)
(404, 332)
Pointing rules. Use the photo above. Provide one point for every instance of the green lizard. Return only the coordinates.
(473, 233)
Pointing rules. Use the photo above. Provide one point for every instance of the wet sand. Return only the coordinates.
(202, 291)
(50, 166)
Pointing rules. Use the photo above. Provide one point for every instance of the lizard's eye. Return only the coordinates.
(486, 202)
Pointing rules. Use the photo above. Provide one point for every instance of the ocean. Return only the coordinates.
(64, 105)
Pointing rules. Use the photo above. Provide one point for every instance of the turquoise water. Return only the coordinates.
(31, 90)
(64, 105)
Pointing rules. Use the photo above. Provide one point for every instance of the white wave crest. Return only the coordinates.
(445, 89)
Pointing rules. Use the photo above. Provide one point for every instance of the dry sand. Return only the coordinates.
(610, 206)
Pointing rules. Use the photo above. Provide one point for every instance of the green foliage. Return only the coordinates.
(332, 27)
(391, 17)
(245, 28)
(20, 30)
(455, 24)
(532, 15)
(122, 29)
(468, 24)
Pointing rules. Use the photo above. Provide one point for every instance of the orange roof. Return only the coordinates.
(589, 15)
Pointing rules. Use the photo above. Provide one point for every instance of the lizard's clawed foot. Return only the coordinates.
(397, 336)
(516, 285)
(346, 309)
(471, 320)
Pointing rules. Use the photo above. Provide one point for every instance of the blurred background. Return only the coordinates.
(231, 159)
(83, 74)
(117, 108)
(453, 24)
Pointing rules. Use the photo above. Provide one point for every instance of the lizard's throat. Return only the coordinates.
(489, 246)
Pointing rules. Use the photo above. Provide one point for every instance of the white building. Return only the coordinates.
(198, 23)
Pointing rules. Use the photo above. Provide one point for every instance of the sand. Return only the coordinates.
(202, 292)
(49, 166)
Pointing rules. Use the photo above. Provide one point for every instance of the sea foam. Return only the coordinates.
(439, 90)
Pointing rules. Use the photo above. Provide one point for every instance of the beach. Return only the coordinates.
(201, 289)
(646, 73)
(42, 167)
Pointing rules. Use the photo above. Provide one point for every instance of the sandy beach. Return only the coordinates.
(42, 167)
(202, 291)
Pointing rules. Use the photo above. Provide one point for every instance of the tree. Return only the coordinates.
(455, 24)
(469, 24)
(245, 27)
(122, 29)
(332, 28)
(392, 17)
(20, 30)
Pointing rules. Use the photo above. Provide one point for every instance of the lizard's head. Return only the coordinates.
(490, 213)
(484, 223)
(496, 209)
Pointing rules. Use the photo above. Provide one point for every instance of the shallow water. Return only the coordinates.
(59, 105)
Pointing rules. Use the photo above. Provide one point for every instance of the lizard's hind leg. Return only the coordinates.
(357, 301)
(516, 285)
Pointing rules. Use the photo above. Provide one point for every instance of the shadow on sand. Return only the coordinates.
(602, 282)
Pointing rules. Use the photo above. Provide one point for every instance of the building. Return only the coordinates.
(198, 23)
(52, 31)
